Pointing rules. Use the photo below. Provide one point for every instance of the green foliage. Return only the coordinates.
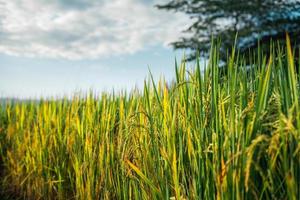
(253, 20)
(206, 136)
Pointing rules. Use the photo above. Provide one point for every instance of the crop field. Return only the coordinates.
(222, 133)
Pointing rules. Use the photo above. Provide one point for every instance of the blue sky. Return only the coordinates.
(58, 47)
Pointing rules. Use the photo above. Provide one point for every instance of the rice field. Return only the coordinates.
(221, 133)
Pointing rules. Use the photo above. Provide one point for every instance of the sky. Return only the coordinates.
(53, 48)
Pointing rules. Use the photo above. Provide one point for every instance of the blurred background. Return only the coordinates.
(55, 48)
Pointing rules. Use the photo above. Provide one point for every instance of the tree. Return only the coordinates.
(252, 20)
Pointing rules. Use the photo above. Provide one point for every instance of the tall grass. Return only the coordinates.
(224, 133)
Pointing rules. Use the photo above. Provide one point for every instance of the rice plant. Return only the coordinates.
(220, 133)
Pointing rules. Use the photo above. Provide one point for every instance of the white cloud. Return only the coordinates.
(84, 29)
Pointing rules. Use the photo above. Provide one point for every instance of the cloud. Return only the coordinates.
(84, 29)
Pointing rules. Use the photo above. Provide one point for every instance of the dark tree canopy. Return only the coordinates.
(252, 20)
